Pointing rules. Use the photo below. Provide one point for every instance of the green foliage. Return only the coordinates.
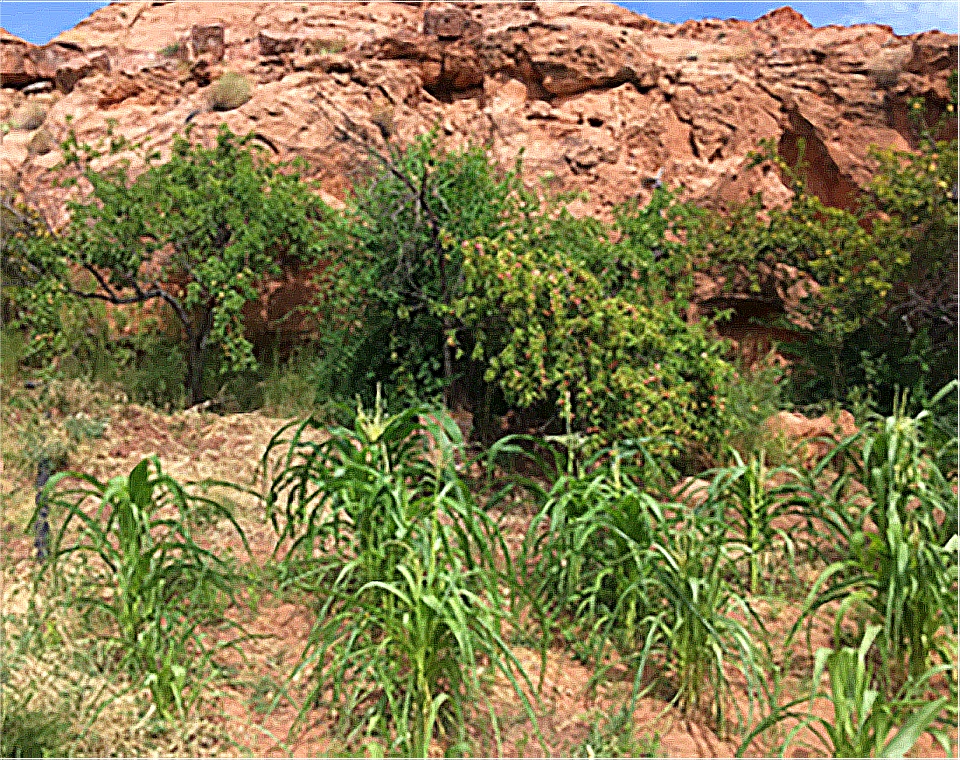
(321, 46)
(899, 553)
(648, 580)
(882, 313)
(173, 50)
(747, 401)
(25, 732)
(400, 263)
(400, 561)
(232, 90)
(449, 270)
(216, 220)
(150, 582)
(743, 493)
(613, 736)
(865, 723)
(547, 329)
(21, 228)
(651, 256)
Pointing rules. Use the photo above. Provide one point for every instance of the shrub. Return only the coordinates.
(232, 90)
(28, 117)
(452, 270)
(884, 314)
(400, 261)
(547, 330)
(173, 50)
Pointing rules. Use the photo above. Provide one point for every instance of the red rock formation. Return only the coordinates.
(598, 98)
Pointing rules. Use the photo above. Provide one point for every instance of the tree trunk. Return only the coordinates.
(196, 347)
(194, 376)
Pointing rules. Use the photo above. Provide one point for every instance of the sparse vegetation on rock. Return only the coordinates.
(231, 91)
(28, 117)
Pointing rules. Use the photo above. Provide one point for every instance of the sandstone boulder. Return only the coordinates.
(814, 438)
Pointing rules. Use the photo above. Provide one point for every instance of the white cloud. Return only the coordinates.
(907, 17)
(943, 15)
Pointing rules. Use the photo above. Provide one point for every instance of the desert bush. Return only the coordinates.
(884, 314)
(28, 117)
(173, 50)
(26, 732)
(545, 328)
(400, 261)
(21, 228)
(520, 301)
(232, 90)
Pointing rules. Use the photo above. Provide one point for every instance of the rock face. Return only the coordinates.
(814, 438)
(600, 99)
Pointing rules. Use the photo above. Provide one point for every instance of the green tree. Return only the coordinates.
(400, 263)
(882, 308)
(451, 269)
(202, 232)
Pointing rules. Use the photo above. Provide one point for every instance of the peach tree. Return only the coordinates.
(201, 232)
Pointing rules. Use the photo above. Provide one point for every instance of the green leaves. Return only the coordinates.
(865, 722)
(643, 581)
(902, 559)
(874, 284)
(216, 221)
(401, 563)
(545, 324)
(149, 578)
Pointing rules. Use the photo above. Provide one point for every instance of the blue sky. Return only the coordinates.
(40, 20)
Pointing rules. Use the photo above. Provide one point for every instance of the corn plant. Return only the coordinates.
(150, 584)
(583, 555)
(746, 496)
(401, 564)
(643, 579)
(864, 723)
(899, 552)
(692, 558)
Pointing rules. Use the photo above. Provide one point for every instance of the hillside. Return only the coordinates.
(597, 97)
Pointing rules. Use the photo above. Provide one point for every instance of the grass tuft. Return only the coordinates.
(232, 90)
(28, 117)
